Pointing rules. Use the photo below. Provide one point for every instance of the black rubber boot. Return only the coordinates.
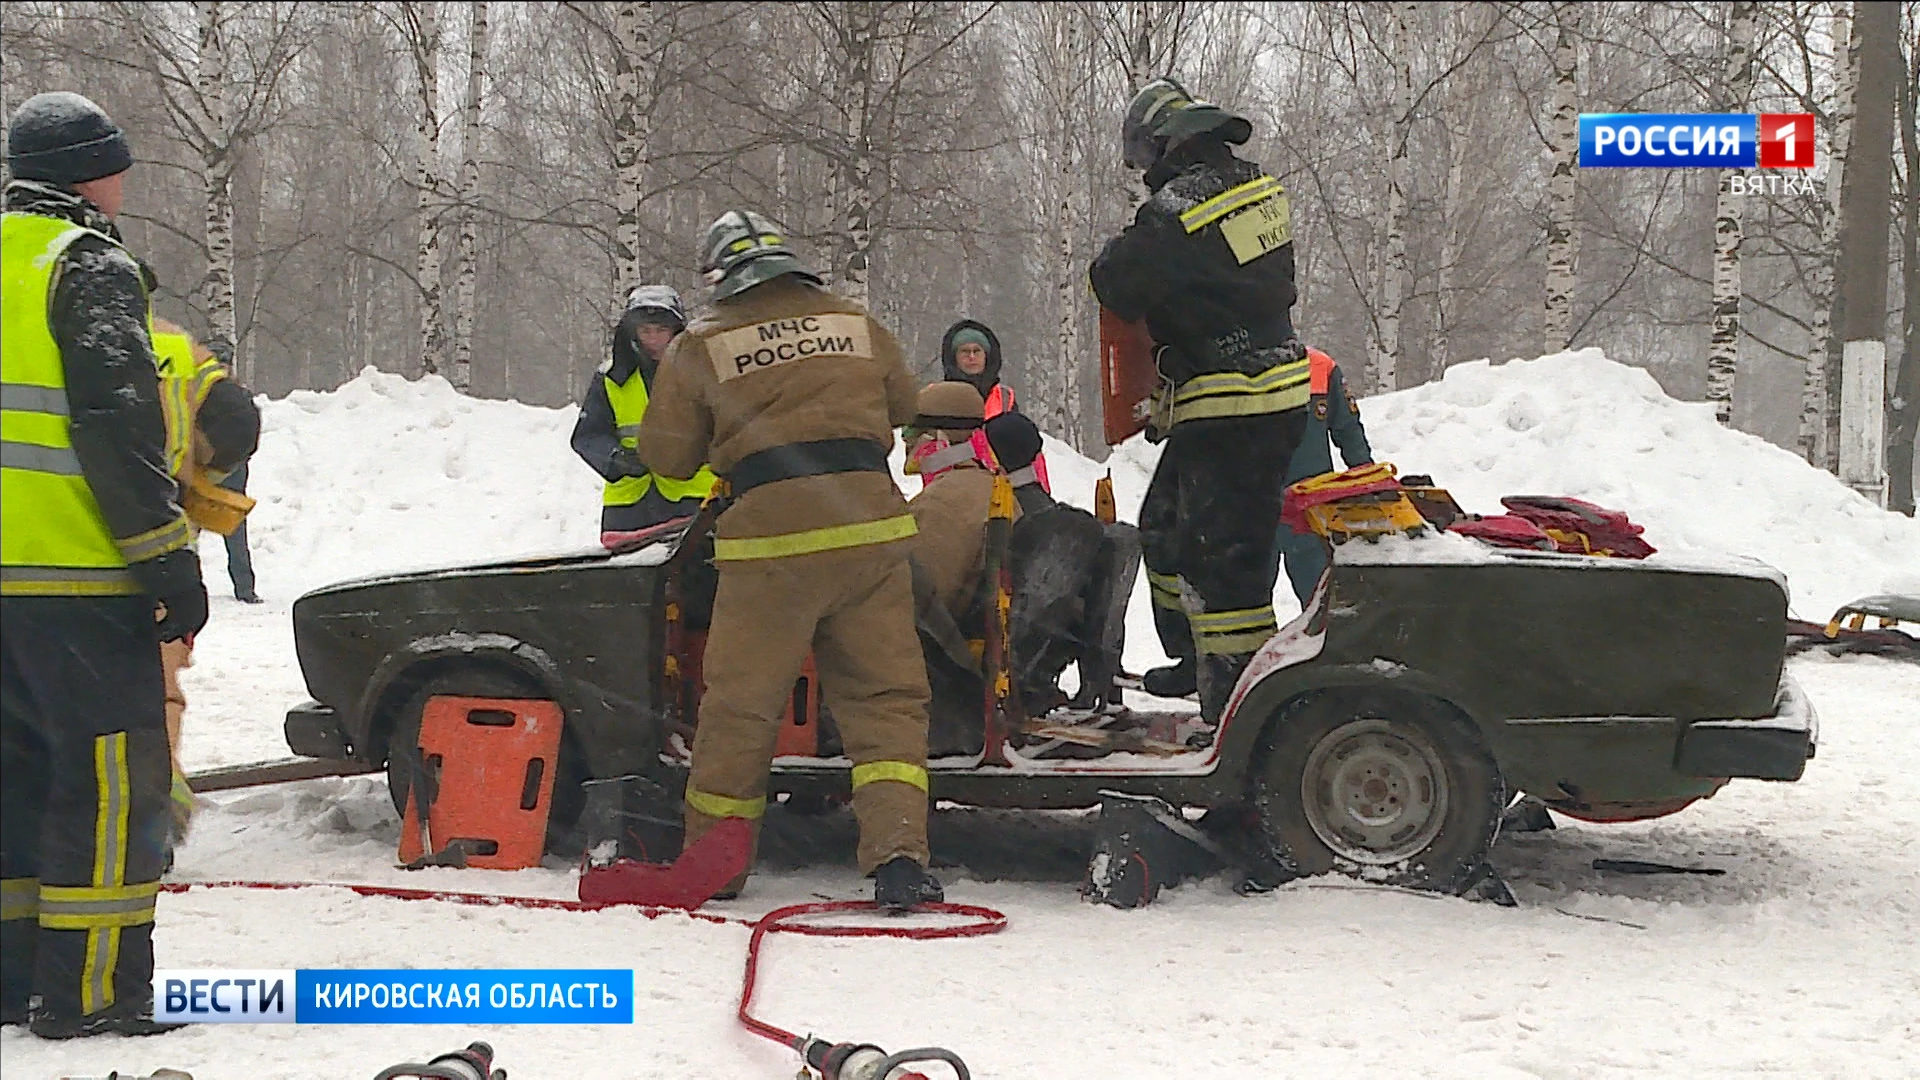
(111, 1021)
(901, 883)
(1173, 681)
(1219, 674)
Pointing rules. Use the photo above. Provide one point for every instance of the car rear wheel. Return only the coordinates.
(569, 798)
(1389, 787)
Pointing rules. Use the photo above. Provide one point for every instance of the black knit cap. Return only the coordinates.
(63, 138)
(1014, 439)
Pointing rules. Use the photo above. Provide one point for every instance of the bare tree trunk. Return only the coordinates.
(424, 18)
(216, 160)
(633, 23)
(1138, 26)
(856, 188)
(1864, 249)
(1723, 349)
(1067, 59)
(1812, 440)
(1904, 423)
(1452, 208)
(469, 191)
(1394, 275)
(1563, 225)
(249, 212)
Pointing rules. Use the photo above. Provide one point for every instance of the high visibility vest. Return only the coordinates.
(184, 384)
(629, 401)
(999, 400)
(53, 539)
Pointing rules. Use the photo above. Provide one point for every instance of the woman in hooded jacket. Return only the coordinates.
(970, 353)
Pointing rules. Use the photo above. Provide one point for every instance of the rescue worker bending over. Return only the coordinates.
(970, 353)
(92, 538)
(1208, 264)
(1331, 413)
(793, 394)
(951, 515)
(1072, 577)
(608, 430)
(213, 427)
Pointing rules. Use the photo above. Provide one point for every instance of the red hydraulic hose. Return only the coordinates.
(778, 921)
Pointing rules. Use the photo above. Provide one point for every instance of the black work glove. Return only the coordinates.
(627, 462)
(183, 613)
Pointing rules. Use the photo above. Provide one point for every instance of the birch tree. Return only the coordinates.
(633, 24)
(210, 84)
(1070, 70)
(1563, 224)
(1723, 348)
(1811, 438)
(462, 375)
(855, 179)
(1394, 275)
(420, 21)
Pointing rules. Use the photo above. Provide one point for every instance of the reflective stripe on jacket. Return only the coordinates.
(629, 401)
(53, 539)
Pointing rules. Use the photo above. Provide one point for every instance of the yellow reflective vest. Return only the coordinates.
(53, 539)
(629, 401)
(184, 384)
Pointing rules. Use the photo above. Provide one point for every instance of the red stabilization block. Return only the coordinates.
(686, 883)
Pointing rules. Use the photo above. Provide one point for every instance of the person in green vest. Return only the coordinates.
(635, 501)
(93, 546)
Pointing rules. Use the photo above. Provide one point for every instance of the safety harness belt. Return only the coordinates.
(795, 460)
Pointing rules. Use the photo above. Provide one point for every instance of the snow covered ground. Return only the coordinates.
(1803, 960)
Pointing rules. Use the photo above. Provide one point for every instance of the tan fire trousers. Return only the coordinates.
(854, 610)
(175, 655)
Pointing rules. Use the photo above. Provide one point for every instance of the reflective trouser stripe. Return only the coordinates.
(831, 538)
(1230, 633)
(154, 543)
(722, 806)
(113, 805)
(19, 898)
(83, 908)
(67, 581)
(1164, 590)
(627, 490)
(873, 772)
(628, 431)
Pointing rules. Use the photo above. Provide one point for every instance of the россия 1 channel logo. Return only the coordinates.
(1696, 140)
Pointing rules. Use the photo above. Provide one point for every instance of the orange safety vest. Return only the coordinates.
(999, 400)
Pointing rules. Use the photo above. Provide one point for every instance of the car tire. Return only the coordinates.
(569, 798)
(1389, 787)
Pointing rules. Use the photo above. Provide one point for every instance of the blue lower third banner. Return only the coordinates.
(397, 996)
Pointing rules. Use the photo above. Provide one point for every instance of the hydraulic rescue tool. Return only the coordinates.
(473, 1063)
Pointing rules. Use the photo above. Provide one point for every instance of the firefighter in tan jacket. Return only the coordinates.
(213, 427)
(792, 393)
(951, 510)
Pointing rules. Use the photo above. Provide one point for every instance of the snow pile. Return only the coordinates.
(1579, 424)
(387, 474)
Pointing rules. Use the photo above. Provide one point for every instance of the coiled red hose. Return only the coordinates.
(777, 921)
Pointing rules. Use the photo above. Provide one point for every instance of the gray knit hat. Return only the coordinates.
(63, 138)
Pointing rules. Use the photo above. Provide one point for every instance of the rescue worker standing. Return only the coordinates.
(1208, 264)
(970, 353)
(1331, 413)
(793, 394)
(92, 538)
(609, 426)
(951, 511)
(213, 427)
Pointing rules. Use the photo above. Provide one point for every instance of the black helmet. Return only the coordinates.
(1163, 115)
(743, 249)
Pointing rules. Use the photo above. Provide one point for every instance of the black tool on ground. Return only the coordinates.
(631, 817)
(473, 1063)
(1636, 866)
(865, 1061)
(1142, 845)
